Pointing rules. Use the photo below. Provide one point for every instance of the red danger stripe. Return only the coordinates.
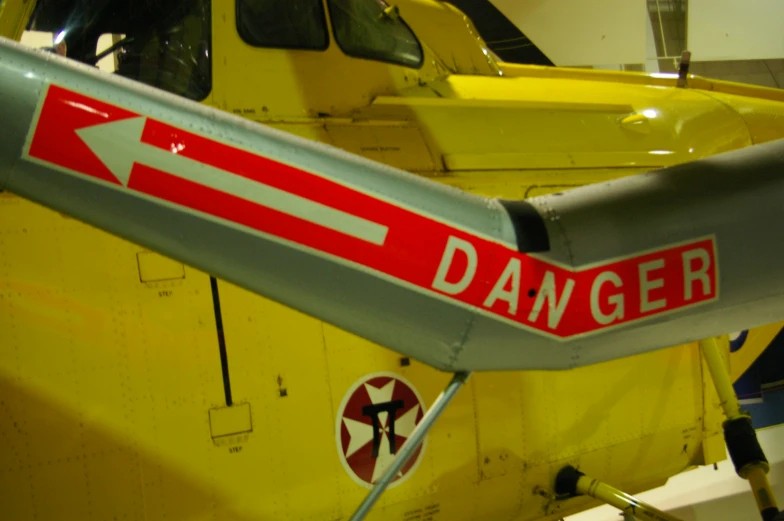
(369, 232)
(260, 169)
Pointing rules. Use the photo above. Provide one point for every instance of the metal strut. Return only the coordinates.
(744, 448)
(408, 448)
(571, 482)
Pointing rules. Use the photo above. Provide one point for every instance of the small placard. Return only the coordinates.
(230, 421)
(154, 267)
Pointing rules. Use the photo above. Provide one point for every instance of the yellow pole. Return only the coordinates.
(629, 505)
(745, 451)
(760, 485)
(721, 378)
(570, 482)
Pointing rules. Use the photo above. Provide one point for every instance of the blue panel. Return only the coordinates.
(768, 413)
(761, 381)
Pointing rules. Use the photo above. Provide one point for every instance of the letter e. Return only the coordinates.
(647, 285)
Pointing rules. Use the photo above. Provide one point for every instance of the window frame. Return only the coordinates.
(324, 21)
(371, 58)
(210, 18)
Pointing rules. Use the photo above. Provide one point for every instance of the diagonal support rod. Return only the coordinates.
(571, 482)
(408, 449)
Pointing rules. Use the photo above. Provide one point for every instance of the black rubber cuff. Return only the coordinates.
(742, 443)
(566, 481)
(530, 230)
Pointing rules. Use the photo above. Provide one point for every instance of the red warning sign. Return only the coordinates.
(153, 159)
(375, 419)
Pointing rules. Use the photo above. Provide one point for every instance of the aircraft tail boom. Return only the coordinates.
(457, 281)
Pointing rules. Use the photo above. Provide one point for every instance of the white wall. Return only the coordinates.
(735, 29)
(38, 40)
(766, 73)
(581, 32)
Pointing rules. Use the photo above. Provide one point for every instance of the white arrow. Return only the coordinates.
(119, 145)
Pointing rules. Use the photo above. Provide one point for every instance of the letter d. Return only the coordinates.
(452, 245)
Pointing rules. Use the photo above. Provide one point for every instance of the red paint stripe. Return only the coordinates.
(240, 211)
(267, 171)
(406, 254)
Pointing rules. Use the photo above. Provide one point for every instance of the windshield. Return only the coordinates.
(162, 43)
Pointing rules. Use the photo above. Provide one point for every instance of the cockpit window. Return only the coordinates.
(372, 29)
(162, 43)
(285, 24)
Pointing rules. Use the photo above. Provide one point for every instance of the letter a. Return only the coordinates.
(512, 271)
(452, 245)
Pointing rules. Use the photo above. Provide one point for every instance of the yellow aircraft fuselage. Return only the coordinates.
(133, 387)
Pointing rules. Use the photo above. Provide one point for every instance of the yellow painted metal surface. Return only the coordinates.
(291, 84)
(113, 386)
(112, 400)
(13, 17)
(154, 267)
(450, 35)
(231, 420)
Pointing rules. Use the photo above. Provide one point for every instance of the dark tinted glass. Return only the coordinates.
(287, 24)
(165, 43)
(370, 29)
